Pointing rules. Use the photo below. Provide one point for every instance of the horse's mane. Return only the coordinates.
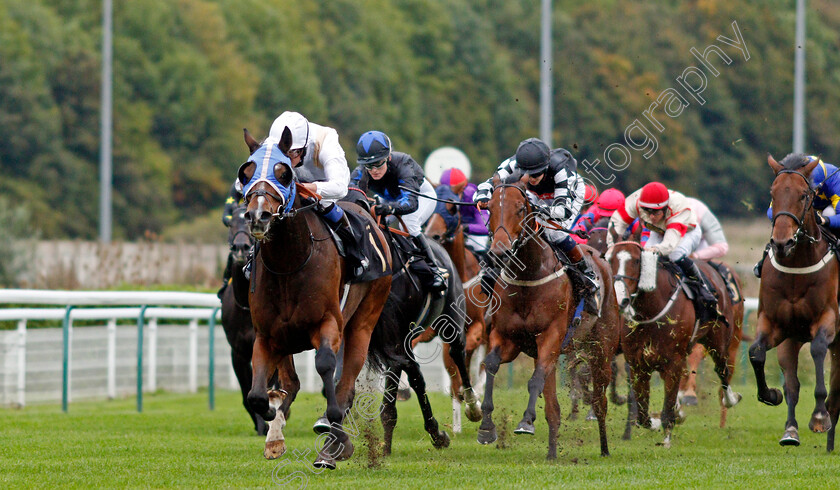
(794, 161)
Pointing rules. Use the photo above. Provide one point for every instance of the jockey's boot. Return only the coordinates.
(584, 281)
(226, 276)
(436, 281)
(695, 279)
(337, 220)
(760, 264)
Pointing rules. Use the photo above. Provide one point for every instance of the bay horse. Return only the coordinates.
(536, 306)
(407, 314)
(797, 300)
(688, 383)
(662, 328)
(475, 328)
(236, 315)
(300, 297)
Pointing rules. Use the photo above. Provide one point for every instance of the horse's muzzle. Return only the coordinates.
(783, 249)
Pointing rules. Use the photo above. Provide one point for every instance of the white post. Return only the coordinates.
(193, 367)
(234, 381)
(310, 372)
(153, 332)
(70, 359)
(112, 358)
(446, 382)
(21, 363)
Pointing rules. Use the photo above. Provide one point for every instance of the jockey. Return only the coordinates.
(553, 178)
(383, 172)
(825, 180)
(673, 231)
(713, 244)
(590, 195)
(473, 220)
(605, 205)
(234, 200)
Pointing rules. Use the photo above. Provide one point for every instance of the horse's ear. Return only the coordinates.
(285, 141)
(250, 141)
(807, 169)
(246, 171)
(774, 164)
(283, 174)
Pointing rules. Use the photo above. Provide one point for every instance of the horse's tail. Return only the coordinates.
(386, 342)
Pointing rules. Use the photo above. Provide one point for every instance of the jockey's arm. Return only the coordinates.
(714, 237)
(569, 190)
(506, 173)
(335, 169)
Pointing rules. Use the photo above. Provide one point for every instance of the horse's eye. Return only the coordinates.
(520, 212)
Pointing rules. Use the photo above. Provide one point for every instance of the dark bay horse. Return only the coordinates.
(407, 315)
(236, 316)
(662, 328)
(475, 328)
(797, 300)
(300, 298)
(536, 305)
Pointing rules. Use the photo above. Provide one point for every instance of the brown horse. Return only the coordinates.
(476, 301)
(688, 383)
(536, 305)
(298, 281)
(662, 328)
(797, 300)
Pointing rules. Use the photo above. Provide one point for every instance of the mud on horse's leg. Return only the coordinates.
(487, 429)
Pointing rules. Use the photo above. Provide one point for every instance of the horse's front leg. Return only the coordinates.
(552, 411)
(267, 404)
(548, 350)
(440, 439)
(788, 353)
(833, 401)
(641, 390)
(337, 442)
(501, 350)
(758, 356)
(687, 394)
(670, 407)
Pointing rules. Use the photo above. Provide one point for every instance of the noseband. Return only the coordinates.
(799, 220)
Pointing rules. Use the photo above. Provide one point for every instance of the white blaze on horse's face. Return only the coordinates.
(256, 224)
(620, 287)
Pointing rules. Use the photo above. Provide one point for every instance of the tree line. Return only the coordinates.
(189, 75)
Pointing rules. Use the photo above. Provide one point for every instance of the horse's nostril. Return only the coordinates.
(265, 216)
(247, 216)
(624, 303)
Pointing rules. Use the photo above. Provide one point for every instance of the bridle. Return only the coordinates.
(622, 277)
(799, 220)
(519, 241)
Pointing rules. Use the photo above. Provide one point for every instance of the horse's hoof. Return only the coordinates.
(441, 441)
(774, 397)
(680, 416)
(274, 449)
(791, 437)
(730, 398)
(324, 462)
(591, 415)
(322, 425)
(474, 412)
(525, 428)
(487, 436)
(655, 423)
(690, 401)
(347, 451)
(820, 422)
(617, 399)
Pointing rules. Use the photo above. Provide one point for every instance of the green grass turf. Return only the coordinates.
(178, 442)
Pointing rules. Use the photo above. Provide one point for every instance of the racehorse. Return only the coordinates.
(688, 383)
(797, 300)
(662, 328)
(536, 307)
(300, 297)
(236, 316)
(407, 313)
(465, 262)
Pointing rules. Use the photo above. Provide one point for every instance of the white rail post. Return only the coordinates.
(310, 372)
(70, 360)
(153, 334)
(112, 358)
(21, 363)
(193, 367)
